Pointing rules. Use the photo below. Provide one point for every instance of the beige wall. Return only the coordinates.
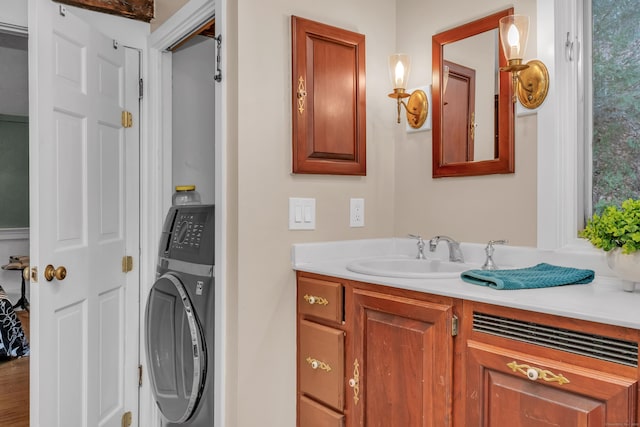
(265, 289)
(401, 196)
(474, 209)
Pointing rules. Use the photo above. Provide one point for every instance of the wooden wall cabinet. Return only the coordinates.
(329, 99)
(399, 362)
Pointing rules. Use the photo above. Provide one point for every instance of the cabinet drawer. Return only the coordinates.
(321, 363)
(320, 298)
(313, 414)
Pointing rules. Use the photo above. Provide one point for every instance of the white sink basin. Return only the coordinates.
(411, 268)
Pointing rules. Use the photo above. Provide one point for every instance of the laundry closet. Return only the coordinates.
(180, 307)
(192, 134)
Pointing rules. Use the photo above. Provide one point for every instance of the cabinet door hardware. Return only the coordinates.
(301, 94)
(318, 364)
(534, 373)
(312, 299)
(354, 382)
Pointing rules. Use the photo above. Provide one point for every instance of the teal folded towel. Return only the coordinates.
(539, 276)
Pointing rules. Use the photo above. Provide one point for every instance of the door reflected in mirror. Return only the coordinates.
(472, 108)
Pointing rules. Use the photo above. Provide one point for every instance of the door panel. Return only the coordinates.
(70, 152)
(70, 367)
(404, 349)
(82, 370)
(111, 352)
(110, 183)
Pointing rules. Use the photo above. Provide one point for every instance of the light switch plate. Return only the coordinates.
(302, 213)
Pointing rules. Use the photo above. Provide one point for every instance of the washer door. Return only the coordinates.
(176, 351)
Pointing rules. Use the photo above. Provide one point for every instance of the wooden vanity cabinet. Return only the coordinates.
(538, 379)
(399, 355)
(388, 357)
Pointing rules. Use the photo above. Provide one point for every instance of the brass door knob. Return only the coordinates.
(50, 273)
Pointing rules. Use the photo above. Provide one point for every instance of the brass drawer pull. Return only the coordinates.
(312, 299)
(318, 364)
(354, 382)
(534, 373)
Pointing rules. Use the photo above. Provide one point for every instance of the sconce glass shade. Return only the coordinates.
(514, 31)
(399, 67)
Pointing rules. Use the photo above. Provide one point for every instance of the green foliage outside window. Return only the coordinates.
(616, 102)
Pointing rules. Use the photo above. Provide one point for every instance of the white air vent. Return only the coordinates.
(596, 346)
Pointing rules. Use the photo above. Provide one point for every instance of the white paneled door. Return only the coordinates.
(84, 196)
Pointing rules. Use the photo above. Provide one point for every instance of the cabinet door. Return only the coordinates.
(400, 373)
(508, 388)
(328, 100)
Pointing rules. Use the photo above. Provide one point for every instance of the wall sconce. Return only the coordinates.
(417, 105)
(530, 80)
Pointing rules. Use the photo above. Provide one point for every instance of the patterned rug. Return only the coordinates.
(13, 342)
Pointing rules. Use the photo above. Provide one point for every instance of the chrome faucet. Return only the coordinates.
(455, 253)
(421, 246)
(489, 264)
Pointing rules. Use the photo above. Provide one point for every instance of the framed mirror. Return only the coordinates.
(473, 111)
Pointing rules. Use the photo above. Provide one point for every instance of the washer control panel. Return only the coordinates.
(188, 231)
(188, 234)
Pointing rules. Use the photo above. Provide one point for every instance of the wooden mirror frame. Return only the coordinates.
(504, 161)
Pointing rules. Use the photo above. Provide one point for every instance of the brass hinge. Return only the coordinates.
(139, 375)
(127, 263)
(454, 326)
(127, 119)
(127, 418)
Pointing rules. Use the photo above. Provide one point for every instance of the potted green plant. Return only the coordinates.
(617, 232)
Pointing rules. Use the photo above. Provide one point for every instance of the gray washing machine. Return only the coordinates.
(179, 319)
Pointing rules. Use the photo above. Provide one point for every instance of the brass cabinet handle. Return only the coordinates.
(312, 299)
(354, 382)
(318, 364)
(534, 373)
(50, 273)
(302, 94)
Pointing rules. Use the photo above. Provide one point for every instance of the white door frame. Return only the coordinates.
(156, 179)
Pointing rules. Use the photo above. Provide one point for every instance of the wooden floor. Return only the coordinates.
(14, 386)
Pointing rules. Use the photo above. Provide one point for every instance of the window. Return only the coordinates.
(615, 64)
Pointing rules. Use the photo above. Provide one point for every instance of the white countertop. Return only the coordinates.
(602, 301)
